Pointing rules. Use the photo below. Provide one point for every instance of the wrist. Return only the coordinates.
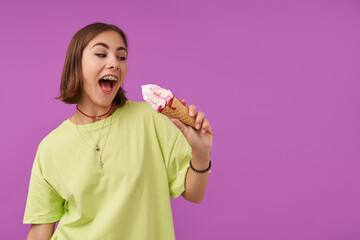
(200, 157)
(200, 161)
(200, 165)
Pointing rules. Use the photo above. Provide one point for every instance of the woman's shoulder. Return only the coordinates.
(134, 105)
(57, 135)
(139, 108)
(143, 110)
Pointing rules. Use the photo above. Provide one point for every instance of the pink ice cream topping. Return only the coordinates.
(156, 96)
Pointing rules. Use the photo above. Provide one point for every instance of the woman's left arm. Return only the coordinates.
(200, 141)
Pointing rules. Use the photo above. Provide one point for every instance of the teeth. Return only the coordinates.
(112, 78)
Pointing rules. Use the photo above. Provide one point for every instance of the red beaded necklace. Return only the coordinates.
(96, 117)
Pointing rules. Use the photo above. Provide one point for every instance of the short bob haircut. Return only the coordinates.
(71, 78)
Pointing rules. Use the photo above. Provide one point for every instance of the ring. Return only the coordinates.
(183, 128)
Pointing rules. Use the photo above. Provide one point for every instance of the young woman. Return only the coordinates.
(107, 171)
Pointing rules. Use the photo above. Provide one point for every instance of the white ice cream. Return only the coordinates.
(156, 96)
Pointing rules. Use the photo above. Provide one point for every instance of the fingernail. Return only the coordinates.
(198, 126)
(203, 131)
(192, 113)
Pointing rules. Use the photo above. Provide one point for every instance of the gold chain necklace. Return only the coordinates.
(96, 142)
(96, 149)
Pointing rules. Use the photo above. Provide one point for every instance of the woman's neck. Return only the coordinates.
(86, 114)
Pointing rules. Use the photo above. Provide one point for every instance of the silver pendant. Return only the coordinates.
(97, 118)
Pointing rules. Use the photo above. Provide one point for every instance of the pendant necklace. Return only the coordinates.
(97, 148)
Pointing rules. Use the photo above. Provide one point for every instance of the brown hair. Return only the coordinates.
(71, 78)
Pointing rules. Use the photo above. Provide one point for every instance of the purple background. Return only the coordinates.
(278, 80)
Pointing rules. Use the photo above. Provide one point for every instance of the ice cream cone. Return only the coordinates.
(175, 109)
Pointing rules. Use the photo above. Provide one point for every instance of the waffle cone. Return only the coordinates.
(177, 110)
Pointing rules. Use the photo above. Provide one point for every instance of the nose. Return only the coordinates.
(113, 64)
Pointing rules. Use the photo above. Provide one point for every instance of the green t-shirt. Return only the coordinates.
(145, 160)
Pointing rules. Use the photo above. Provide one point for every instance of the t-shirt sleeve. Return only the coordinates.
(178, 165)
(44, 204)
(176, 153)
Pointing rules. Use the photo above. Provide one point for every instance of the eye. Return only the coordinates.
(122, 58)
(100, 55)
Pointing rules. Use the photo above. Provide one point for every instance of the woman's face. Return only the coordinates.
(104, 68)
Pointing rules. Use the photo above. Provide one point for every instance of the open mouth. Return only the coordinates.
(107, 83)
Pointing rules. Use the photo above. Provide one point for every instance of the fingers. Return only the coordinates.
(206, 126)
(201, 123)
(179, 124)
(192, 110)
(199, 120)
(183, 102)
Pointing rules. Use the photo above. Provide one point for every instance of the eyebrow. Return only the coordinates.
(106, 46)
